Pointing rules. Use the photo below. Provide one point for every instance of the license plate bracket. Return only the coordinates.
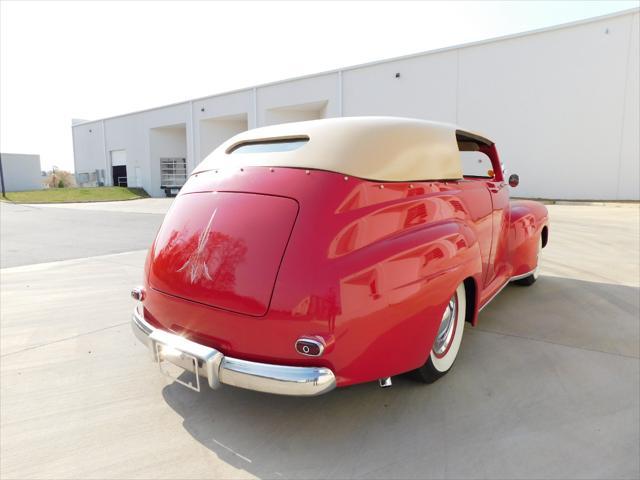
(182, 360)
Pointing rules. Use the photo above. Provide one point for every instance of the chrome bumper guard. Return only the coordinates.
(218, 368)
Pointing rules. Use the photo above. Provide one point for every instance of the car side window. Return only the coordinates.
(476, 164)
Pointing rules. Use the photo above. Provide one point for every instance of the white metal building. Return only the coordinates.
(562, 104)
(21, 171)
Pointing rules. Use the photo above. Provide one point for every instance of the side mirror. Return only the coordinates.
(514, 180)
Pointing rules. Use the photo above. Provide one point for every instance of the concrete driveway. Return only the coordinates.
(44, 233)
(547, 386)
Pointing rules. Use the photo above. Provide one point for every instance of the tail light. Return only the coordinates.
(138, 293)
(309, 347)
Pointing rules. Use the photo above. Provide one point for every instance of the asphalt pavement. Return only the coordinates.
(45, 233)
(547, 385)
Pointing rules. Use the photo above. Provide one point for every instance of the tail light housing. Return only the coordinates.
(310, 347)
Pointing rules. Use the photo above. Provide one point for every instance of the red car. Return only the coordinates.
(305, 256)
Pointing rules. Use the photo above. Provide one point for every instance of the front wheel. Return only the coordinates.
(447, 342)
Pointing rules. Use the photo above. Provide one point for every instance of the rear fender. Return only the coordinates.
(390, 310)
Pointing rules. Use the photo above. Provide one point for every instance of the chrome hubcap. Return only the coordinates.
(447, 324)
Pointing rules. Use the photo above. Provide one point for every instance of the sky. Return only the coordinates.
(94, 59)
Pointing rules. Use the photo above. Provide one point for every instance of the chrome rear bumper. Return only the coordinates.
(216, 368)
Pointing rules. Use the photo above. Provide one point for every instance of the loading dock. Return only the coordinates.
(495, 86)
(214, 131)
(119, 168)
(168, 149)
(297, 113)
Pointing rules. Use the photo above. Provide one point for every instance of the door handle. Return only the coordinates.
(495, 187)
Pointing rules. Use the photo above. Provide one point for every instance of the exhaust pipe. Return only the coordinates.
(384, 382)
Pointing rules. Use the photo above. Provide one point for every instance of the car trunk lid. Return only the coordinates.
(223, 249)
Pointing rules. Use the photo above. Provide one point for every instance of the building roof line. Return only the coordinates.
(25, 154)
(476, 43)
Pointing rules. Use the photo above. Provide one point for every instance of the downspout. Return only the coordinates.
(107, 170)
(340, 107)
(255, 107)
(2, 178)
(193, 140)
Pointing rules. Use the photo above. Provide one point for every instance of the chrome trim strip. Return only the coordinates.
(511, 279)
(494, 296)
(524, 275)
(217, 368)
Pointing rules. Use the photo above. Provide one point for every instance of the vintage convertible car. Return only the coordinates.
(310, 255)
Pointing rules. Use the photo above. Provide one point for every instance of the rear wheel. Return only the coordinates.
(531, 279)
(447, 342)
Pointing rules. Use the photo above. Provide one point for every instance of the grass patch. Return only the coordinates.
(67, 195)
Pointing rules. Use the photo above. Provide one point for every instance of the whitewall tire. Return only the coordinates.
(448, 338)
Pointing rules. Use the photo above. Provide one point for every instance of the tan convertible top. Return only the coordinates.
(373, 148)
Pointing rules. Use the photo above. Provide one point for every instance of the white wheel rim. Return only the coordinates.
(447, 327)
(443, 361)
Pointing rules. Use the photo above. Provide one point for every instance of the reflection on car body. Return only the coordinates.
(305, 256)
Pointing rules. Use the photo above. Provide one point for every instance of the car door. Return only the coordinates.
(498, 260)
(498, 189)
(481, 167)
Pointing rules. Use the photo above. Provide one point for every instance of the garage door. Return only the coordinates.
(118, 158)
(119, 167)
